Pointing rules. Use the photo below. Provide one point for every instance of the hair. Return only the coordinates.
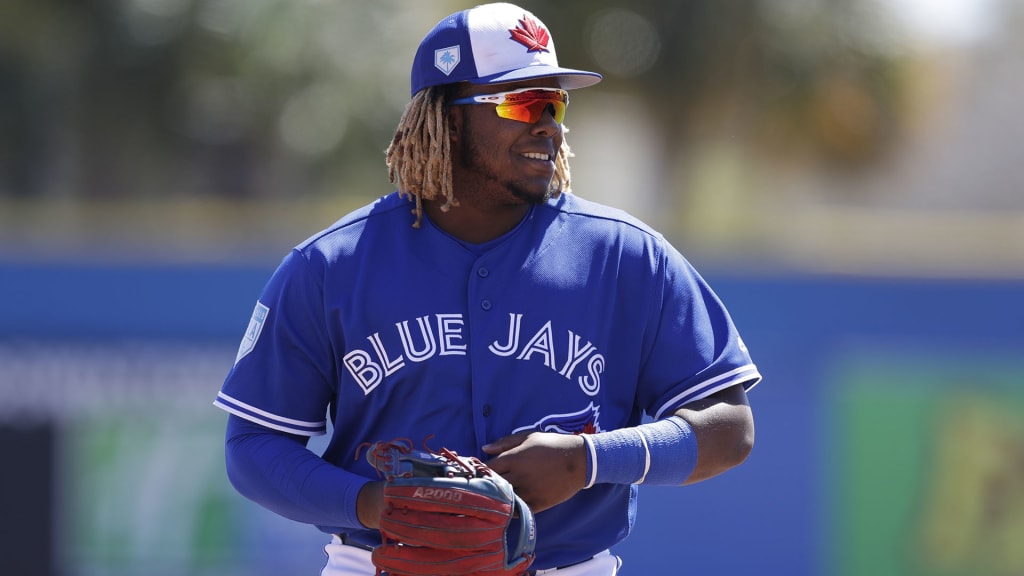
(419, 157)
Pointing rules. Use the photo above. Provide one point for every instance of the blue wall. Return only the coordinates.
(781, 512)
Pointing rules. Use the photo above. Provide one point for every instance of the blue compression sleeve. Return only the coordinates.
(661, 453)
(277, 471)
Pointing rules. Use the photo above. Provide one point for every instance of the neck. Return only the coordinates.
(474, 224)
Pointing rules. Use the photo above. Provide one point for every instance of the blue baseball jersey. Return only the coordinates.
(580, 320)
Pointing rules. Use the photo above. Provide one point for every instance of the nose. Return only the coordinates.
(546, 125)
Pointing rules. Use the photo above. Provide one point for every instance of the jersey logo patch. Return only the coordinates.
(446, 59)
(582, 422)
(252, 333)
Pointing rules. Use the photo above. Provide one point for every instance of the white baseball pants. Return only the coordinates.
(345, 560)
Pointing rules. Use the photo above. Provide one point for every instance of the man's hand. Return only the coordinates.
(545, 468)
(370, 504)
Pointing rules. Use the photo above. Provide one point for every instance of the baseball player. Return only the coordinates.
(487, 307)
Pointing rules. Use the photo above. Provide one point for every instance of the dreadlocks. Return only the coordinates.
(419, 156)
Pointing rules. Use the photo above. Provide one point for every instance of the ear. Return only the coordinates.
(456, 119)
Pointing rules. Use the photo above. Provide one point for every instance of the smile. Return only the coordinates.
(536, 156)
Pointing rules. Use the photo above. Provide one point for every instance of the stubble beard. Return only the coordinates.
(472, 160)
(530, 198)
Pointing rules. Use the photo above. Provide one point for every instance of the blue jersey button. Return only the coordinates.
(485, 304)
(487, 410)
(483, 272)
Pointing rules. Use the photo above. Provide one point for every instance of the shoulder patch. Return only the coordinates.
(252, 333)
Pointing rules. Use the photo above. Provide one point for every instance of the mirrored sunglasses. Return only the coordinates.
(525, 104)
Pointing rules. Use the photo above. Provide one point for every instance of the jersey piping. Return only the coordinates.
(254, 414)
(747, 375)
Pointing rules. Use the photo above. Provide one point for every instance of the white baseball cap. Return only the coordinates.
(491, 44)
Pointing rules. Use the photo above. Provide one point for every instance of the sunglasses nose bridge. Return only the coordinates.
(535, 111)
(557, 111)
(552, 110)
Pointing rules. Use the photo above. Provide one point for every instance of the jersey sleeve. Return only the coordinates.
(283, 374)
(696, 349)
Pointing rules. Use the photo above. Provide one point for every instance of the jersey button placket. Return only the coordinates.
(483, 272)
(479, 290)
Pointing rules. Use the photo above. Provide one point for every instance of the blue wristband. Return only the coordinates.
(661, 453)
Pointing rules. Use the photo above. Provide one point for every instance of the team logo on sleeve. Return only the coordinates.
(252, 333)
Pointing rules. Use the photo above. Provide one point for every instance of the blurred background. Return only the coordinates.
(847, 174)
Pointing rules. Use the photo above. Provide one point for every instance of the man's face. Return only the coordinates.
(499, 160)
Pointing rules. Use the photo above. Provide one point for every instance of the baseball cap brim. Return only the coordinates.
(568, 78)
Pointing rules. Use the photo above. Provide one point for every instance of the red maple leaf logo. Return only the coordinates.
(531, 34)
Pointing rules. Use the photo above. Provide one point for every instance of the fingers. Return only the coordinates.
(545, 469)
(505, 444)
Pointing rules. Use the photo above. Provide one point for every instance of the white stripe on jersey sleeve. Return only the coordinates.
(747, 374)
(272, 421)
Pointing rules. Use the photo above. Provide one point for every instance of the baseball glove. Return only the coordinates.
(447, 515)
